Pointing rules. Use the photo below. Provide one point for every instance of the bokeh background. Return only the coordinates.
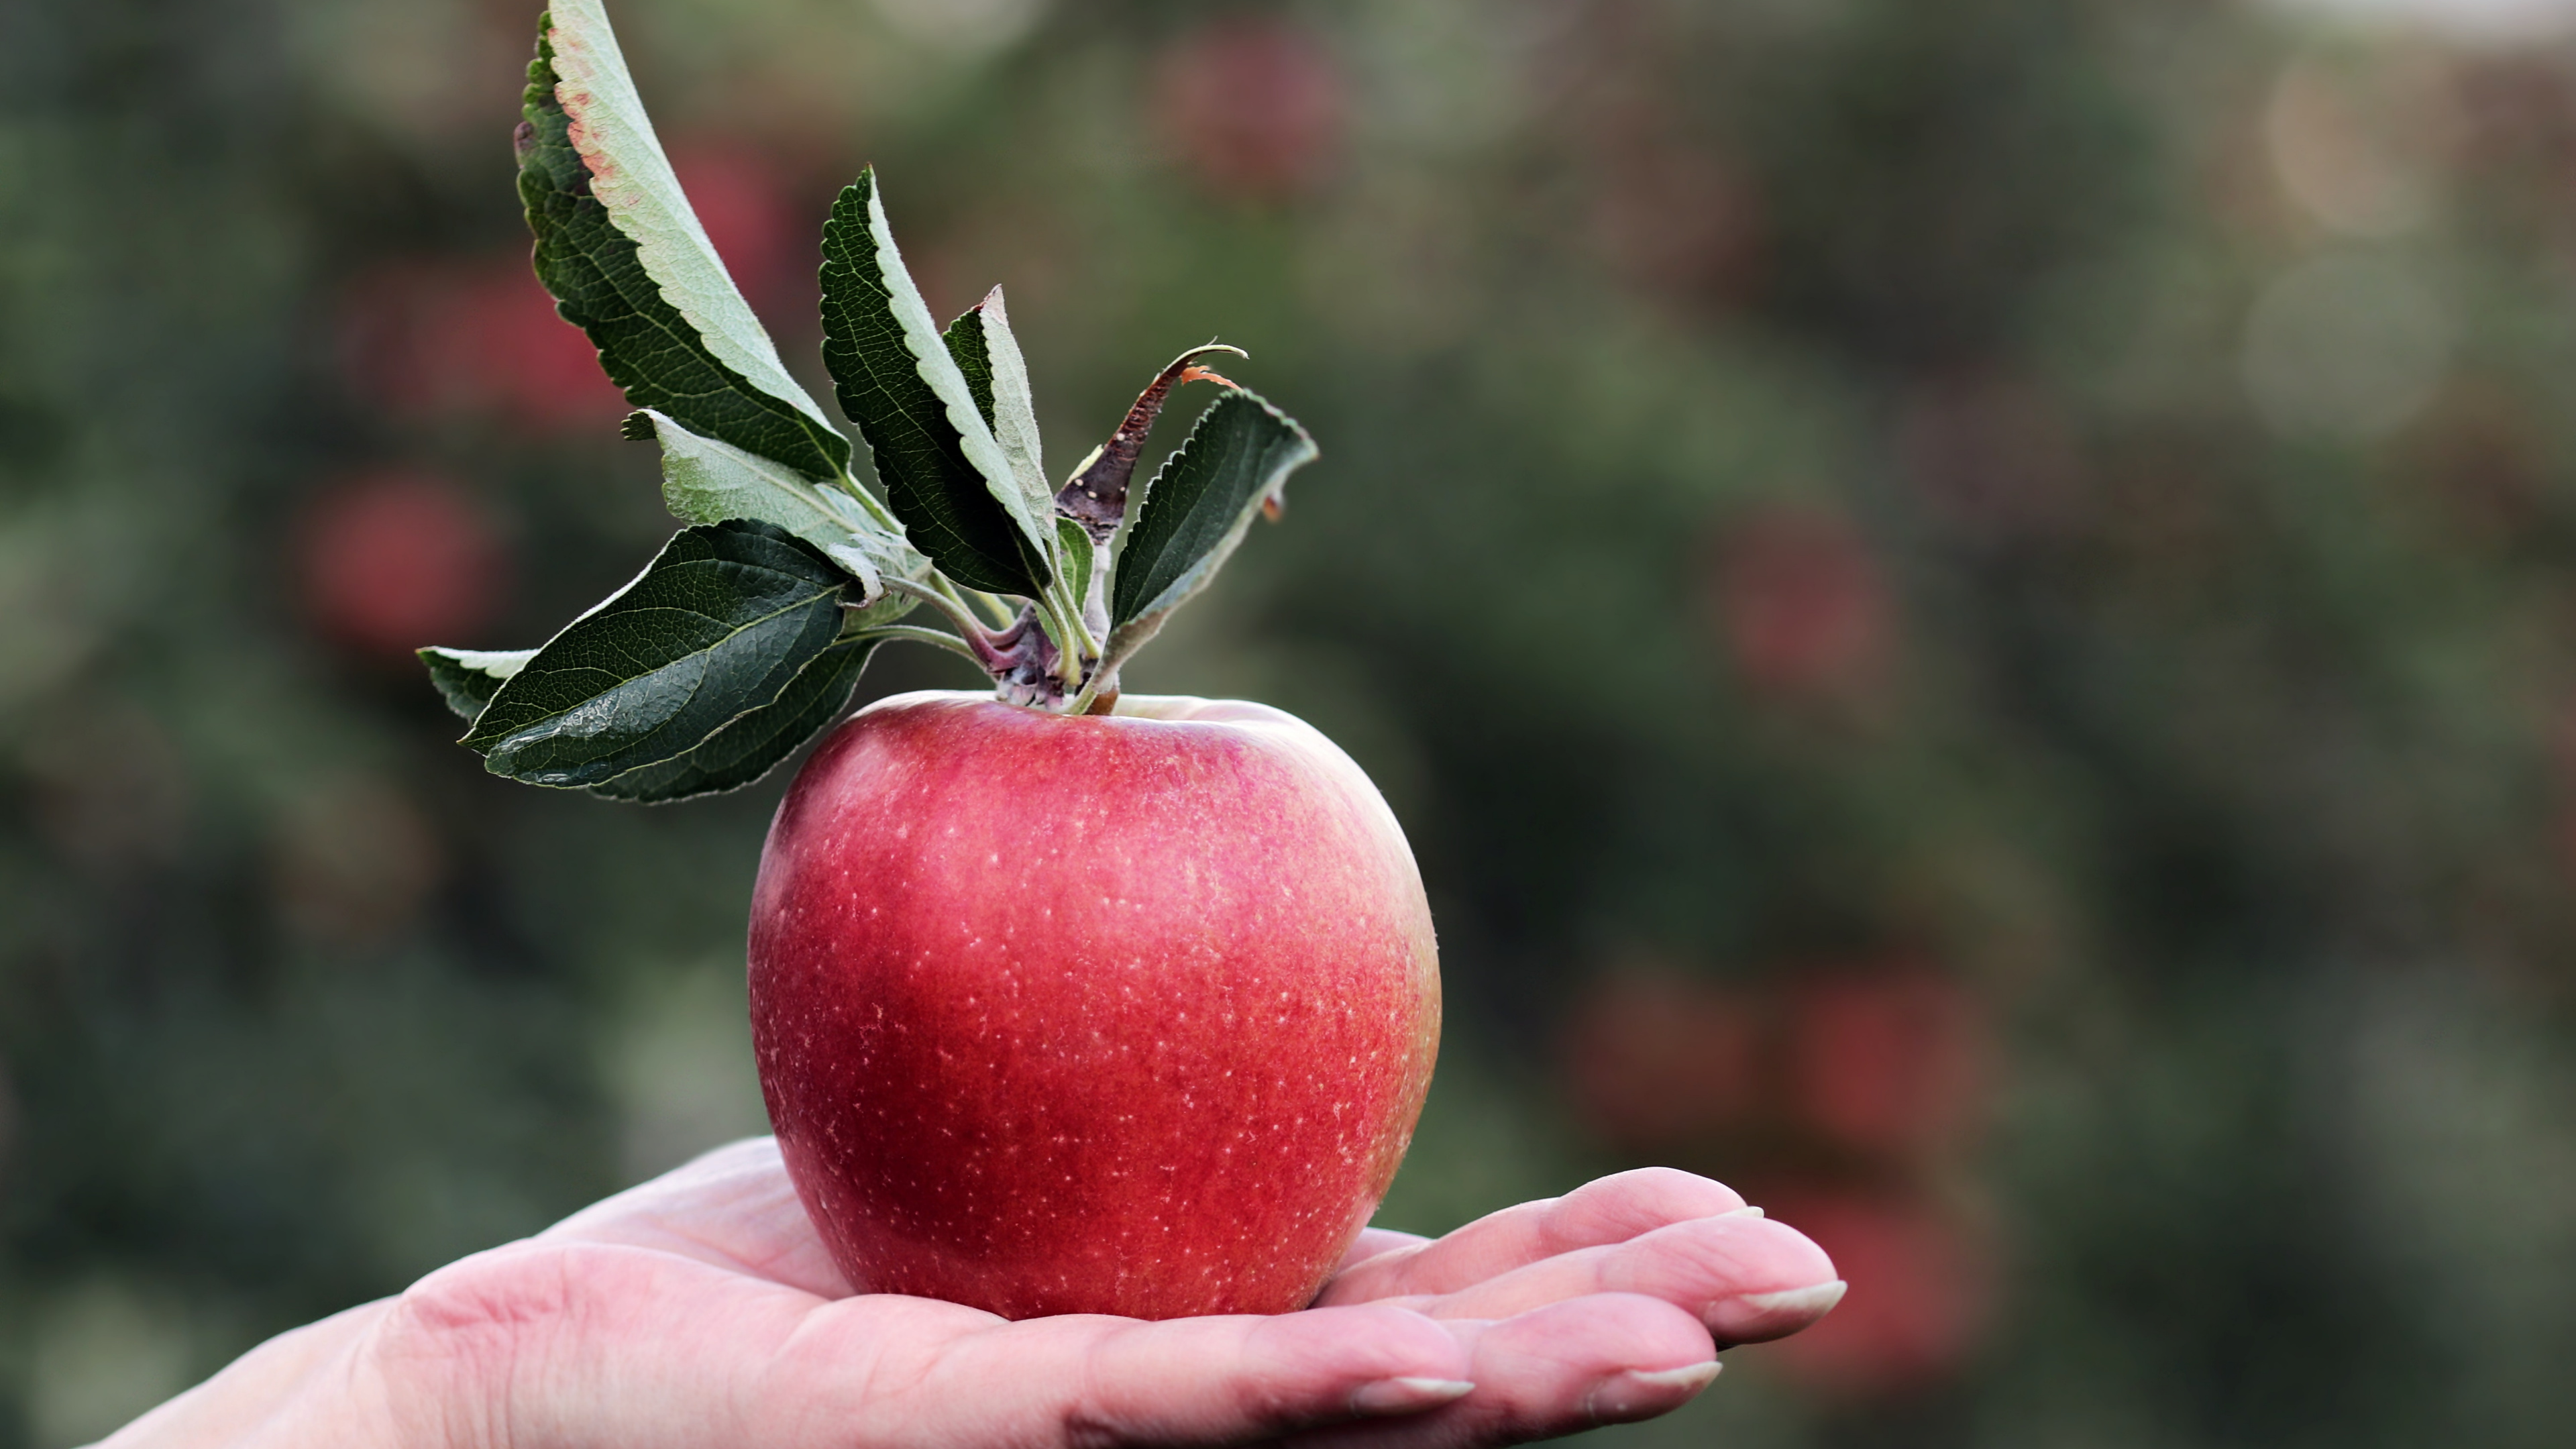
(1971, 608)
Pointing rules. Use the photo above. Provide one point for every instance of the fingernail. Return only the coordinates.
(1638, 1394)
(1746, 1211)
(1407, 1396)
(1805, 1302)
(1753, 1317)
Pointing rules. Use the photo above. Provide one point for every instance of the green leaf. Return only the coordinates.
(1074, 546)
(997, 377)
(944, 475)
(707, 481)
(468, 678)
(714, 628)
(1236, 460)
(753, 745)
(1010, 409)
(627, 261)
(965, 340)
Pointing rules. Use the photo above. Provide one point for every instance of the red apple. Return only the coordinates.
(1078, 1013)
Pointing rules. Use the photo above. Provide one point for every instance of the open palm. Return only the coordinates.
(700, 1309)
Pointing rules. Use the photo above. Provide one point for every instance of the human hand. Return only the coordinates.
(701, 1309)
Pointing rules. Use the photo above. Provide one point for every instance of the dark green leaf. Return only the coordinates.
(714, 628)
(945, 477)
(1073, 545)
(468, 678)
(627, 261)
(753, 745)
(1237, 458)
(998, 378)
(965, 339)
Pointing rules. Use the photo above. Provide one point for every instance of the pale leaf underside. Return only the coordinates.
(628, 263)
(708, 481)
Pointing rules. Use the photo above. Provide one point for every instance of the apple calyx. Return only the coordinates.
(746, 636)
(1024, 660)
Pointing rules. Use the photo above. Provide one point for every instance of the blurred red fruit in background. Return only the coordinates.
(1253, 105)
(1655, 1060)
(742, 201)
(1801, 603)
(479, 335)
(430, 339)
(395, 560)
(1889, 1061)
(1922, 1281)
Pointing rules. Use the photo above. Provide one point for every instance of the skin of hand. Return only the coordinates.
(701, 1309)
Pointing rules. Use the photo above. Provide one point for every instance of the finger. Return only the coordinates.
(1744, 1278)
(1610, 1210)
(1569, 1366)
(1093, 1380)
(1373, 1241)
(732, 1207)
(1593, 1361)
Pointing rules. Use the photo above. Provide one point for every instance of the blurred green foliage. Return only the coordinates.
(1968, 606)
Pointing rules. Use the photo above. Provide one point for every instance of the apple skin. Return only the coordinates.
(1125, 1014)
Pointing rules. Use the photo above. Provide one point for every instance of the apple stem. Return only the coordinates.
(919, 635)
(1073, 640)
(1072, 643)
(1097, 695)
(998, 610)
(940, 597)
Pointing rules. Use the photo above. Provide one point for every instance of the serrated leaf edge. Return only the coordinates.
(498, 665)
(946, 381)
(485, 744)
(1129, 636)
(609, 127)
(1015, 416)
